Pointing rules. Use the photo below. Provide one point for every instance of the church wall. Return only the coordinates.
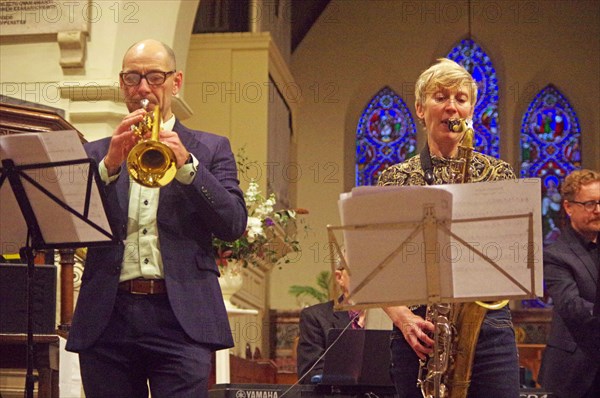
(357, 47)
(274, 17)
(227, 88)
(354, 49)
(30, 64)
(30, 70)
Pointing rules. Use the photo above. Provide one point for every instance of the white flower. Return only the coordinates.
(255, 228)
(252, 194)
(257, 245)
(266, 208)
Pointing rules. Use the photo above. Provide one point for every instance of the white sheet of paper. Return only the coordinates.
(366, 248)
(464, 273)
(67, 183)
(504, 241)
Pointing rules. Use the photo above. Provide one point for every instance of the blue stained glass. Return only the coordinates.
(485, 119)
(550, 149)
(386, 135)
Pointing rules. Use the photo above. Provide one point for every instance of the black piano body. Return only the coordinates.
(320, 391)
(297, 391)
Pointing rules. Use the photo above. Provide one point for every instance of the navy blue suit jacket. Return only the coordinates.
(315, 323)
(571, 359)
(188, 216)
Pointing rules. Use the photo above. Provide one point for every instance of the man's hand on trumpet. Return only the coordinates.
(123, 139)
(171, 139)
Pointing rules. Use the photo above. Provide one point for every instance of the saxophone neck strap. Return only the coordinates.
(426, 165)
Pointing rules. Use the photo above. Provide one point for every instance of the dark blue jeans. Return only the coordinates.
(495, 367)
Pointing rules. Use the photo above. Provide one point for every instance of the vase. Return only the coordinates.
(231, 281)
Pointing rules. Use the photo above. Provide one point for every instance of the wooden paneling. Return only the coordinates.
(13, 355)
(532, 327)
(530, 357)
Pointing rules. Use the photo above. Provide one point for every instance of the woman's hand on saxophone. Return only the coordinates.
(414, 329)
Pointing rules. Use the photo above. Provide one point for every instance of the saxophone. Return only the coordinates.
(460, 169)
(446, 372)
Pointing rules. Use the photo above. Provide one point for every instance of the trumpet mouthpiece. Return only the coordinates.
(145, 103)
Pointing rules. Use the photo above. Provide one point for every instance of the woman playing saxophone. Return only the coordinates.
(446, 93)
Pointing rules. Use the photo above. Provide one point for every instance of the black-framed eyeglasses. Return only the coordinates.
(590, 205)
(154, 78)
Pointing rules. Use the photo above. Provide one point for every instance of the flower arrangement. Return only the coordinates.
(270, 234)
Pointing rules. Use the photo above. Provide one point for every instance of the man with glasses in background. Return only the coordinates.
(571, 363)
(150, 311)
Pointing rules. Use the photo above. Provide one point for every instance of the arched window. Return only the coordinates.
(386, 135)
(550, 149)
(485, 119)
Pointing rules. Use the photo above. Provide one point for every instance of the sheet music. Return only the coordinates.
(464, 273)
(504, 241)
(67, 183)
(366, 248)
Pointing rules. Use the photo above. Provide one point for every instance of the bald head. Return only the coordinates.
(150, 58)
(151, 46)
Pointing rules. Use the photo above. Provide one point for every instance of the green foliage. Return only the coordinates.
(320, 293)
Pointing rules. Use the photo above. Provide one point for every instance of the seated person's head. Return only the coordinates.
(342, 279)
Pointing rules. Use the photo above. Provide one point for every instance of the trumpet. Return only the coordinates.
(150, 162)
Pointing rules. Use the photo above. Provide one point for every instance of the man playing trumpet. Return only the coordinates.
(150, 312)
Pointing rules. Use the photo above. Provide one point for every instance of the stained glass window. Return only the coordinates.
(550, 149)
(485, 119)
(386, 135)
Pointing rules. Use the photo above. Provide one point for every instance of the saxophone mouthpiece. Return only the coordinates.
(459, 125)
(454, 125)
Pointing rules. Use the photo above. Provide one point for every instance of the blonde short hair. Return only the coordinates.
(444, 74)
(573, 182)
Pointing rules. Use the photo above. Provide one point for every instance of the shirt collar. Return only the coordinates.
(587, 244)
(168, 124)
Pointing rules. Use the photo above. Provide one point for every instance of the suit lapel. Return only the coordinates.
(185, 138)
(583, 256)
(183, 132)
(122, 191)
(341, 318)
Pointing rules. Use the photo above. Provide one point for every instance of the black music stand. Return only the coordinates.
(35, 240)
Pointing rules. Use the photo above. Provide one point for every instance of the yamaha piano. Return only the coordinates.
(320, 391)
(297, 391)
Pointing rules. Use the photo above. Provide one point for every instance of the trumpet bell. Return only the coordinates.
(151, 164)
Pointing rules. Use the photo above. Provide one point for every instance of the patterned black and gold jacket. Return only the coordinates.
(410, 172)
